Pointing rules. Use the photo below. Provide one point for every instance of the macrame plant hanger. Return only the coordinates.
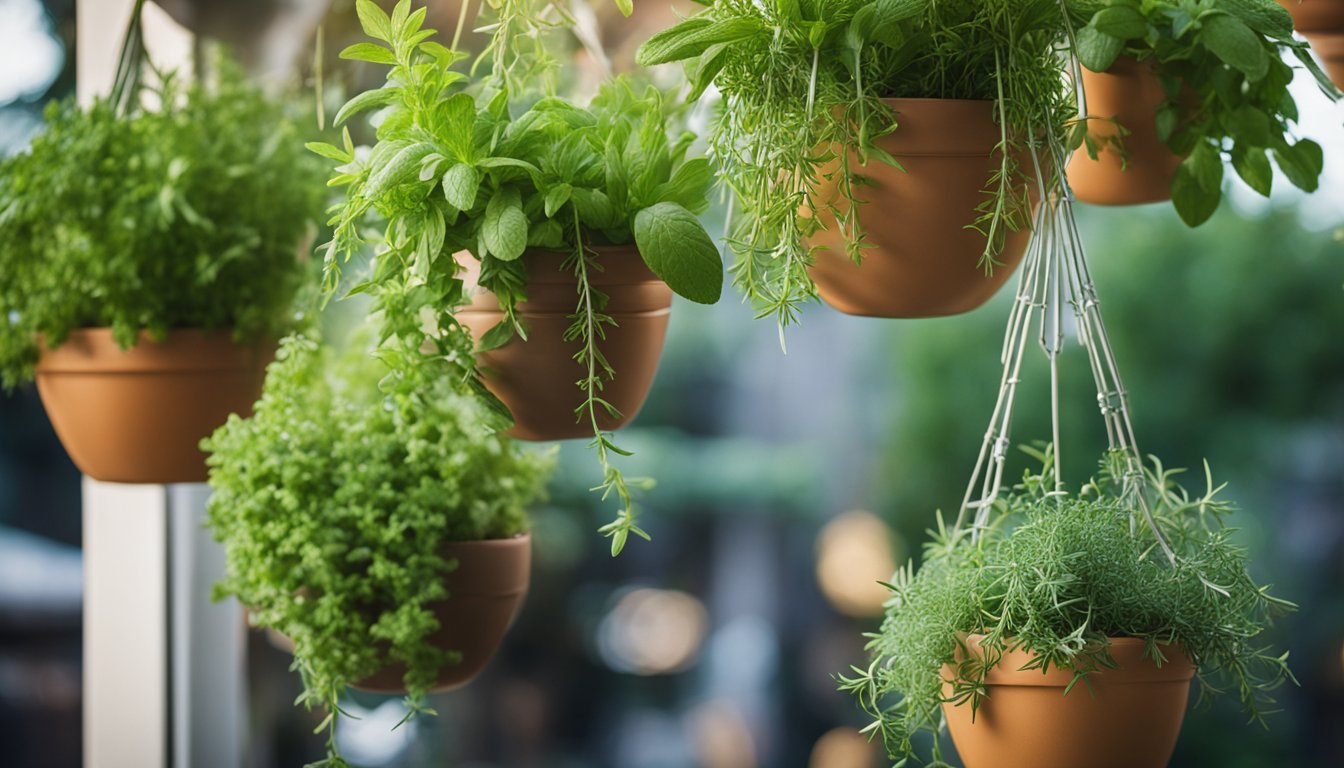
(1055, 272)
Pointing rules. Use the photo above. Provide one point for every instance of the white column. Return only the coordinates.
(164, 683)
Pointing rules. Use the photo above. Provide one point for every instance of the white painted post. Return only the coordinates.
(164, 683)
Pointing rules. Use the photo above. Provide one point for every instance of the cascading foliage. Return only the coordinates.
(802, 84)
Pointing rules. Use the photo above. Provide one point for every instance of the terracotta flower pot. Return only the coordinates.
(536, 378)
(1128, 93)
(925, 261)
(1322, 23)
(137, 416)
(485, 593)
(1129, 718)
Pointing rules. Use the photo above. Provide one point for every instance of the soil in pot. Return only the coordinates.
(1129, 717)
(485, 593)
(138, 415)
(1129, 94)
(1322, 23)
(924, 260)
(536, 378)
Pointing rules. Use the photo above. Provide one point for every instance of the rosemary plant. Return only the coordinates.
(454, 172)
(1057, 575)
(802, 85)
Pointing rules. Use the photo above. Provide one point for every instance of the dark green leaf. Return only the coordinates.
(1252, 165)
(1120, 21)
(1192, 201)
(1096, 50)
(676, 247)
(1234, 42)
(1302, 163)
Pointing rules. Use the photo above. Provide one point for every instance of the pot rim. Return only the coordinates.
(1128, 652)
(94, 351)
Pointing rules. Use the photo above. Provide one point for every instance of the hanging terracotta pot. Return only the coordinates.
(1129, 717)
(924, 262)
(536, 378)
(138, 415)
(485, 593)
(1128, 93)
(1322, 23)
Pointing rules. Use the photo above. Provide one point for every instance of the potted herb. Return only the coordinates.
(151, 260)
(880, 150)
(1178, 88)
(1322, 23)
(1060, 635)
(380, 527)
(554, 239)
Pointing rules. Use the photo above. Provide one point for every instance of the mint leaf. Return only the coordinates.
(1252, 165)
(1097, 50)
(676, 247)
(1232, 41)
(1120, 21)
(365, 101)
(1192, 201)
(692, 38)
(370, 52)
(504, 230)
(460, 185)
(1302, 163)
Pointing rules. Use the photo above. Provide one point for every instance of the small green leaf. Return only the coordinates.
(328, 151)
(496, 337)
(556, 197)
(693, 37)
(1252, 165)
(373, 20)
(1247, 124)
(380, 97)
(370, 52)
(1232, 41)
(1192, 201)
(460, 185)
(1302, 163)
(1120, 21)
(1097, 50)
(504, 229)
(1167, 119)
(626, 7)
(676, 247)
(403, 166)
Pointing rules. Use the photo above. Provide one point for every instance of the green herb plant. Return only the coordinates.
(455, 174)
(190, 216)
(1056, 575)
(802, 84)
(334, 499)
(1226, 85)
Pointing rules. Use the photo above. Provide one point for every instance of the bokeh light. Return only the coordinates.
(843, 748)
(855, 553)
(652, 632)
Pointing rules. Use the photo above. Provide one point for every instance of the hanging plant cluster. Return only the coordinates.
(895, 158)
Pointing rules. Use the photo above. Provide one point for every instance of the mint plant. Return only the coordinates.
(1226, 86)
(1057, 575)
(455, 172)
(191, 216)
(802, 84)
(334, 499)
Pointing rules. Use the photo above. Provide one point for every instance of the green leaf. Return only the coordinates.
(458, 114)
(1192, 201)
(1252, 165)
(1097, 50)
(693, 37)
(1264, 16)
(370, 52)
(373, 20)
(1302, 163)
(1120, 21)
(328, 151)
(1232, 41)
(496, 337)
(556, 197)
(688, 186)
(504, 229)
(460, 185)
(1247, 124)
(1206, 163)
(676, 247)
(626, 7)
(1167, 119)
(380, 97)
(403, 166)
(594, 208)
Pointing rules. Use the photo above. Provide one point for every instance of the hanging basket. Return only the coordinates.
(536, 378)
(924, 260)
(138, 415)
(485, 593)
(1322, 23)
(1129, 94)
(1127, 717)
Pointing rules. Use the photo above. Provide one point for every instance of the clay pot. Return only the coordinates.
(925, 261)
(485, 593)
(536, 378)
(1322, 23)
(138, 415)
(1129, 93)
(1129, 718)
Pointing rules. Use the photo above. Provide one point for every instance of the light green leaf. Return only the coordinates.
(380, 97)
(676, 247)
(373, 20)
(693, 37)
(556, 197)
(403, 166)
(626, 7)
(1234, 42)
(460, 185)
(504, 229)
(370, 52)
(328, 151)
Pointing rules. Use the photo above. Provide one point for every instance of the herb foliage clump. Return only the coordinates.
(1226, 86)
(802, 85)
(454, 171)
(191, 216)
(1057, 575)
(333, 501)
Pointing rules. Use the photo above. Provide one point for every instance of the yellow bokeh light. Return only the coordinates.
(854, 553)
